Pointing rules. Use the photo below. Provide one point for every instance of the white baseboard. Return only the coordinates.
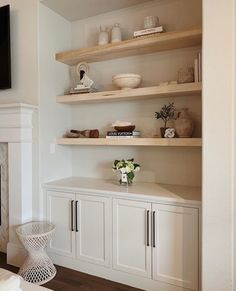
(16, 254)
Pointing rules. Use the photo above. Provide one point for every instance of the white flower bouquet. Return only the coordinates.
(126, 169)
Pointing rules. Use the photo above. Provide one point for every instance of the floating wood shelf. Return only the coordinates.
(143, 45)
(174, 142)
(188, 89)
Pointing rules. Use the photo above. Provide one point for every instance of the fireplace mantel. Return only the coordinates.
(16, 122)
(16, 126)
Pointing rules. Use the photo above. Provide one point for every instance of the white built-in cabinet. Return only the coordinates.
(131, 248)
(59, 212)
(93, 232)
(155, 241)
(175, 247)
(82, 226)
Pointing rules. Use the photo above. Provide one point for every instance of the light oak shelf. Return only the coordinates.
(169, 142)
(176, 90)
(144, 45)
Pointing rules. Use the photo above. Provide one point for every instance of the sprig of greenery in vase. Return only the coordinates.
(128, 167)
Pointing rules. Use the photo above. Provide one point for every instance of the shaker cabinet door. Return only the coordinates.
(176, 245)
(131, 237)
(60, 213)
(93, 233)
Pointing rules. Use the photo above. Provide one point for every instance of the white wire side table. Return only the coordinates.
(38, 267)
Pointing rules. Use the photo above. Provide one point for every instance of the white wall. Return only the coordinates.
(24, 49)
(218, 120)
(54, 36)
(178, 166)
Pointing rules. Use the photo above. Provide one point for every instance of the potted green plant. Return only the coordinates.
(166, 113)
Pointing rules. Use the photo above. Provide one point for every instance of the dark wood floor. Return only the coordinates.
(70, 280)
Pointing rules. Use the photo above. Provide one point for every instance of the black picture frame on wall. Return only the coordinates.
(5, 48)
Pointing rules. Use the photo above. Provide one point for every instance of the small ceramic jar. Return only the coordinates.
(103, 35)
(151, 21)
(116, 33)
(186, 75)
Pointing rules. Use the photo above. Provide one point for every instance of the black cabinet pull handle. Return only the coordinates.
(154, 229)
(72, 215)
(148, 243)
(76, 216)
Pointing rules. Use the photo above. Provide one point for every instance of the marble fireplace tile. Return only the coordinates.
(4, 228)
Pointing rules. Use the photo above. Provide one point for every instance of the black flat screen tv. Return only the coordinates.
(5, 48)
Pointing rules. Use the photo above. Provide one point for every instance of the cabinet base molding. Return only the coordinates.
(113, 275)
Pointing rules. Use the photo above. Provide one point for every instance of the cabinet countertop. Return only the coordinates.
(152, 192)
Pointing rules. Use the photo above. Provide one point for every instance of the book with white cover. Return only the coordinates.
(117, 134)
(148, 31)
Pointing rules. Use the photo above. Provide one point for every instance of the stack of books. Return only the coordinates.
(149, 31)
(123, 134)
(81, 88)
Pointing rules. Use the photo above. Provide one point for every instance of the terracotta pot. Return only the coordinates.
(184, 126)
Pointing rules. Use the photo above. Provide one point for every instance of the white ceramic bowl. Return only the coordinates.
(127, 81)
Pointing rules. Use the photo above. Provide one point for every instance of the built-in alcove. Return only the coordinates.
(165, 165)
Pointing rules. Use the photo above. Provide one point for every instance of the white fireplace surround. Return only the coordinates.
(16, 130)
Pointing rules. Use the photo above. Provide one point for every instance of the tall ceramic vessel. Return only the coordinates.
(116, 33)
(184, 125)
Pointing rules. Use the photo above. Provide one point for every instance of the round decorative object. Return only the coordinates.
(38, 267)
(186, 75)
(184, 125)
(103, 36)
(169, 133)
(127, 81)
(116, 33)
(128, 128)
(150, 22)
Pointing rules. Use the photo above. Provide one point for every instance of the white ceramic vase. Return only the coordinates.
(103, 36)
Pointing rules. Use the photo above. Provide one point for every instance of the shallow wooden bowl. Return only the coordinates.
(128, 128)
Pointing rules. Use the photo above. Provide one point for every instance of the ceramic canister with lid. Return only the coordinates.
(116, 35)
